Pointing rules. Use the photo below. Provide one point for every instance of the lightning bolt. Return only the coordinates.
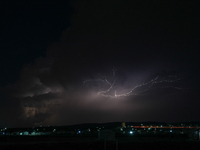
(132, 91)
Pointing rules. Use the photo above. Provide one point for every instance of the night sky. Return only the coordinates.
(84, 61)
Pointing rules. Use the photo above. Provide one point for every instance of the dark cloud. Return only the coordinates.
(142, 41)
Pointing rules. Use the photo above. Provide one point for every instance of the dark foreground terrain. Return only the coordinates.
(92, 143)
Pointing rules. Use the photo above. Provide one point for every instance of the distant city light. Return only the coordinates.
(131, 132)
(79, 132)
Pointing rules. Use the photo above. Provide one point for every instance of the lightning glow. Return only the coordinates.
(138, 89)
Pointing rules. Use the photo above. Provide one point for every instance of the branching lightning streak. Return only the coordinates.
(137, 86)
(103, 93)
(132, 91)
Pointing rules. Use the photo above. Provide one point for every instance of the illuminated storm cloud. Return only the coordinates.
(111, 88)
